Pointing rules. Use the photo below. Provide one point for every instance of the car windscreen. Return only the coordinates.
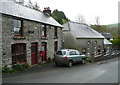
(61, 53)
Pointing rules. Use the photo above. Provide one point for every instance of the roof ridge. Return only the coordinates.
(79, 23)
(17, 10)
(26, 7)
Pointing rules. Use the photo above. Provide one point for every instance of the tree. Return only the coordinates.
(80, 18)
(30, 4)
(36, 7)
(116, 41)
(59, 16)
(97, 20)
(21, 2)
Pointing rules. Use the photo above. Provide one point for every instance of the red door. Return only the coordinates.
(44, 51)
(34, 53)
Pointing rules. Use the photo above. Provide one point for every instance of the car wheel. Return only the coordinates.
(56, 64)
(83, 61)
(70, 64)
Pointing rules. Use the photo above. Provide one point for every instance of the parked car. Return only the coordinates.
(68, 57)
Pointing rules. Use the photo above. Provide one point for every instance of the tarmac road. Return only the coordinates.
(106, 72)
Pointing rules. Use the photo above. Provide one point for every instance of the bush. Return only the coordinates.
(20, 67)
(15, 68)
(89, 59)
(6, 69)
(26, 66)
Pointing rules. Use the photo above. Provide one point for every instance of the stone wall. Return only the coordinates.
(92, 47)
(82, 43)
(60, 38)
(50, 41)
(0, 40)
(29, 37)
(6, 40)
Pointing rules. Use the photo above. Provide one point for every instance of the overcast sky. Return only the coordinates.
(107, 10)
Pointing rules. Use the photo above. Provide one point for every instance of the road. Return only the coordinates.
(88, 73)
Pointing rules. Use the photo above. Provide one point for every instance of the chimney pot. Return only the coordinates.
(47, 11)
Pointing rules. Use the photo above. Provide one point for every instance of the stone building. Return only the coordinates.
(27, 35)
(107, 47)
(84, 38)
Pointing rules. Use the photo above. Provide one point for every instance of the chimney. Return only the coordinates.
(47, 11)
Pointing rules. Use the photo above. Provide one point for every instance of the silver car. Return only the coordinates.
(68, 57)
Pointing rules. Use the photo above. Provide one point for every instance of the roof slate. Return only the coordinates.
(80, 30)
(13, 9)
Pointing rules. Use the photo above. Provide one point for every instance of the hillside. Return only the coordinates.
(112, 25)
(111, 28)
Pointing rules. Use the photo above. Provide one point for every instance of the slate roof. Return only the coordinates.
(80, 30)
(106, 42)
(13, 9)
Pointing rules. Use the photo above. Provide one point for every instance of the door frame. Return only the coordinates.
(44, 58)
(35, 45)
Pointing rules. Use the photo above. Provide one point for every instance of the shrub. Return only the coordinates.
(6, 69)
(89, 59)
(26, 66)
(18, 67)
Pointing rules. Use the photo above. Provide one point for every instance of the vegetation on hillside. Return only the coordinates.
(105, 28)
(116, 41)
(59, 16)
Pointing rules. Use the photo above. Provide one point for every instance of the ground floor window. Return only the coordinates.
(84, 51)
(99, 50)
(104, 51)
(18, 53)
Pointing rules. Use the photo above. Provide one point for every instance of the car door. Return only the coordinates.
(73, 56)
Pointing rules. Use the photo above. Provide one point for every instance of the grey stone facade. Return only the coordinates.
(83, 38)
(7, 36)
(50, 40)
(0, 40)
(90, 45)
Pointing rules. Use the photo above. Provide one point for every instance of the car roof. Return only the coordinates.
(68, 50)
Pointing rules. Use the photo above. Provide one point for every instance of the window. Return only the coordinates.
(88, 43)
(99, 50)
(44, 31)
(55, 32)
(72, 53)
(18, 28)
(18, 53)
(77, 53)
(84, 51)
(55, 46)
(95, 42)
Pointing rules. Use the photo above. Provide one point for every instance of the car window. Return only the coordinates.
(61, 53)
(77, 53)
(72, 53)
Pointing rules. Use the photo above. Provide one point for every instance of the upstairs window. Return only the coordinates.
(44, 31)
(55, 32)
(55, 46)
(18, 28)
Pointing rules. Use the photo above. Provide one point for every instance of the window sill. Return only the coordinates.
(18, 38)
(55, 37)
(44, 38)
